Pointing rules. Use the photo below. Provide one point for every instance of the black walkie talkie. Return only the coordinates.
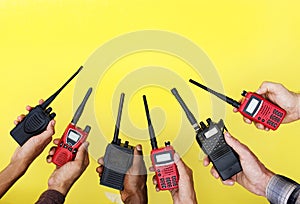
(36, 121)
(118, 157)
(211, 140)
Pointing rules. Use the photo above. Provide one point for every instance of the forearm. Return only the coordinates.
(10, 175)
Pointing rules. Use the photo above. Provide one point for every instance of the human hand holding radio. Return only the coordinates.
(34, 146)
(25, 155)
(185, 192)
(65, 176)
(280, 95)
(135, 186)
(254, 177)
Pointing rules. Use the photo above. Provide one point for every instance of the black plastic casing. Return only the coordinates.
(224, 158)
(35, 122)
(117, 160)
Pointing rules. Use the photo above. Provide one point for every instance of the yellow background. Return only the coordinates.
(43, 42)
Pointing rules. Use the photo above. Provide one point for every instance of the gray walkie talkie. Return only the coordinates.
(118, 157)
(211, 140)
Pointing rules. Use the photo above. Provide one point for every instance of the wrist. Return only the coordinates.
(138, 196)
(262, 186)
(62, 187)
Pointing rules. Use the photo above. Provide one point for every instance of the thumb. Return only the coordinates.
(82, 151)
(240, 148)
(138, 161)
(49, 131)
(181, 167)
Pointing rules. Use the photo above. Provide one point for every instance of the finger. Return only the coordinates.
(49, 131)
(235, 110)
(49, 158)
(82, 153)
(52, 151)
(28, 108)
(138, 164)
(206, 161)
(156, 188)
(228, 182)
(101, 161)
(56, 141)
(181, 167)
(20, 117)
(240, 148)
(41, 101)
(154, 181)
(247, 120)
(151, 168)
(260, 126)
(214, 172)
(99, 170)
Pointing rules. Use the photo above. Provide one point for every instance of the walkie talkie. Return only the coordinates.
(36, 121)
(118, 157)
(253, 106)
(162, 159)
(72, 138)
(211, 140)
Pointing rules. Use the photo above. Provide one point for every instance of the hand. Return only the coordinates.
(254, 177)
(185, 192)
(284, 98)
(65, 176)
(135, 187)
(24, 155)
(35, 145)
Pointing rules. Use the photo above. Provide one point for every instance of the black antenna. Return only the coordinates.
(188, 113)
(150, 127)
(51, 98)
(117, 126)
(81, 107)
(232, 102)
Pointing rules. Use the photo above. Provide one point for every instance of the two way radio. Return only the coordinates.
(211, 140)
(36, 121)
(118, 157)
(254, 107)
(72, 138)
(162, 159)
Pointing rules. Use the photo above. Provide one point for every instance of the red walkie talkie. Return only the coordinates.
(253, 106)
(72, 138)
(162, 159)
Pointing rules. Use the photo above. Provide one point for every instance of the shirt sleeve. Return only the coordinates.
(282, 190)
(51, 197)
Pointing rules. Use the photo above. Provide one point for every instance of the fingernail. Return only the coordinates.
(139, 147)
(86, 144)
(176, 156)
(52, 122)
(227, 135)
(258, 91)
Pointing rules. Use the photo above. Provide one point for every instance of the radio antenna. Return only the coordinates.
(51, 98)
(188, 113)
(81, 107)
(231, 101)
(150, 127)
(117, 126)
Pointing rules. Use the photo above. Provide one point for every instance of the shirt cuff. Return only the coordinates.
(51, 197)
(279, 189)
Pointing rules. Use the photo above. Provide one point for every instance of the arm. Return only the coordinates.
(24, 156)
(135, 181)
(185, 192)
(281, 96)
